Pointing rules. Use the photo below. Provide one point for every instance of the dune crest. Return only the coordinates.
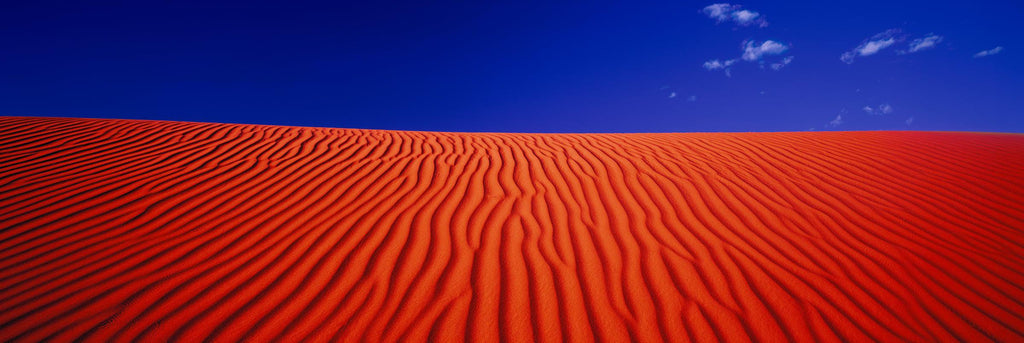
(117, 230)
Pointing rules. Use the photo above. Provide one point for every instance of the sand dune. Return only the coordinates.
(138, 230)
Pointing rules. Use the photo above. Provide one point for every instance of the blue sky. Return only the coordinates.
(674, 66)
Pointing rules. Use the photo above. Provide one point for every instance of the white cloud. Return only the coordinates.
(719, 12)
(726, 12)
(872, 45)
(925, 43)
(880, 110)
(716, 64)
(847, 57)
(989, 52)
(783, 63)
(835, 122)
(719, 65)
(885, 108)
(672, 95)
(910, 121)
(745, 17)
(753, 51)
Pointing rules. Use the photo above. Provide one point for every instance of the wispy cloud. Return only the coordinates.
(872, 45)
(989, 52)
(745, 17)
(720, 12)
(785, 61)
(720, 65)
(880, 110)
(847, 57)
(753, 51)
(910, 121)
(716, 64)
(885, 108)
(728, 12)
(672, 95)
(835, 122)
(925, 43)
(692, 98)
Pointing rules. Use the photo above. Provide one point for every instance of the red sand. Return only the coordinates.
(122, 230)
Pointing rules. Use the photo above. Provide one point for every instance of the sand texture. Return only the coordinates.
(120, 230)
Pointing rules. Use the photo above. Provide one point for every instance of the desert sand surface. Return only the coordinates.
(121, 230)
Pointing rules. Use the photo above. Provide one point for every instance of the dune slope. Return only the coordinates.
(153, 231)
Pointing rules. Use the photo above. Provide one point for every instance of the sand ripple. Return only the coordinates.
(117, 230)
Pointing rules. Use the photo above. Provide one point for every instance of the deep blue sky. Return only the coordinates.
(521, 67)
